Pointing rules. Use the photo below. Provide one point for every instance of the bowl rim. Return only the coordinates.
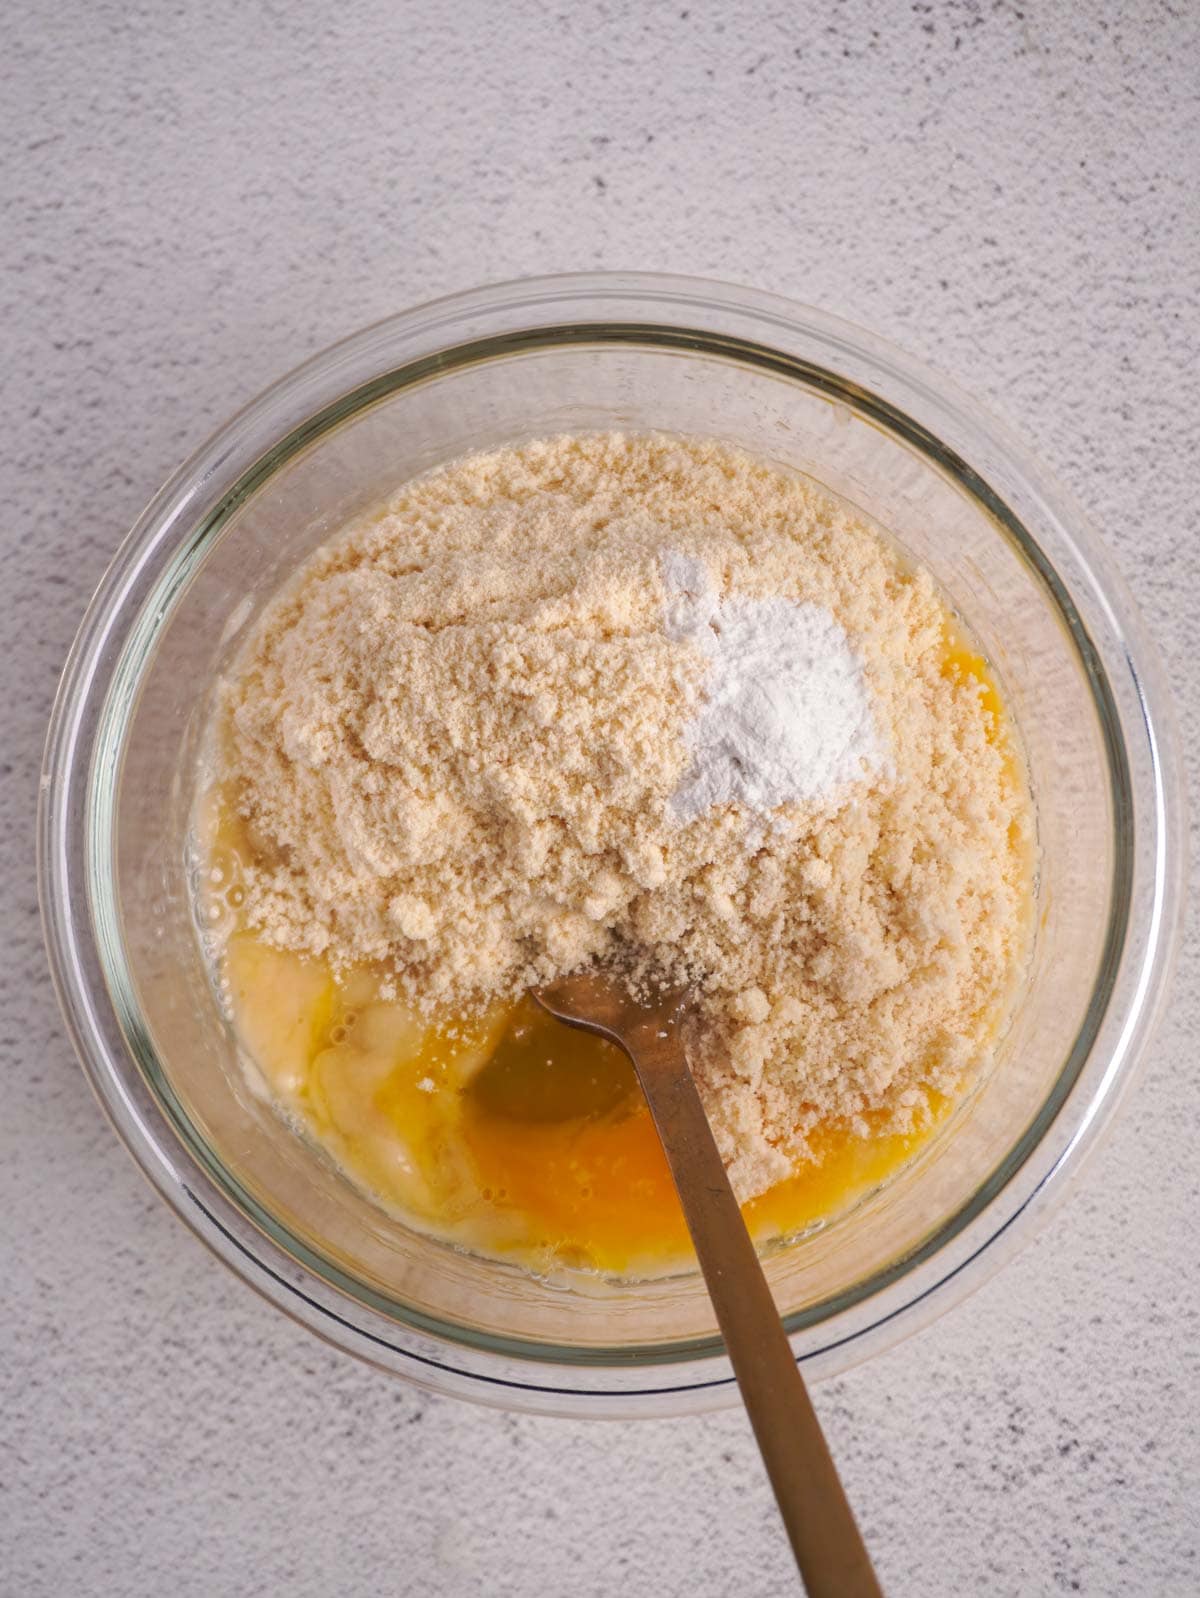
(152, 565)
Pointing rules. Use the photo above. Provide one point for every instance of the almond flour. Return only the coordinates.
(459, 739)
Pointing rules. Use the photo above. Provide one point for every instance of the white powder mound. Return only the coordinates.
(786, 718)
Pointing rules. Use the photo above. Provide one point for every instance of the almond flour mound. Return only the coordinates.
(455, 739)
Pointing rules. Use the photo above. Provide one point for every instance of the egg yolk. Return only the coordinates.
(506, 1132)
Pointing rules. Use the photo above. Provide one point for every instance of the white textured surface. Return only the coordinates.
(195, 197)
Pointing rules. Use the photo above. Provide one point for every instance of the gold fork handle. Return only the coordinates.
(825, 1538)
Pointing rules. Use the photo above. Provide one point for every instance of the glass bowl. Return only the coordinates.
(505, 364)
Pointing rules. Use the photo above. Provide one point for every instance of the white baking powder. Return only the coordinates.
(786, 716)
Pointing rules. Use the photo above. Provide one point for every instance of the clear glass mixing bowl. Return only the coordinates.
(505, 364)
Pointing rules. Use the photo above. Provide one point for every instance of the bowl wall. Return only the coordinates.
(488, 370)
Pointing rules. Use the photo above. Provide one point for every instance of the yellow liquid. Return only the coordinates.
(507, 1132)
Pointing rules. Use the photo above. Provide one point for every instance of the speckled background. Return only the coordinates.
(195, 196)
